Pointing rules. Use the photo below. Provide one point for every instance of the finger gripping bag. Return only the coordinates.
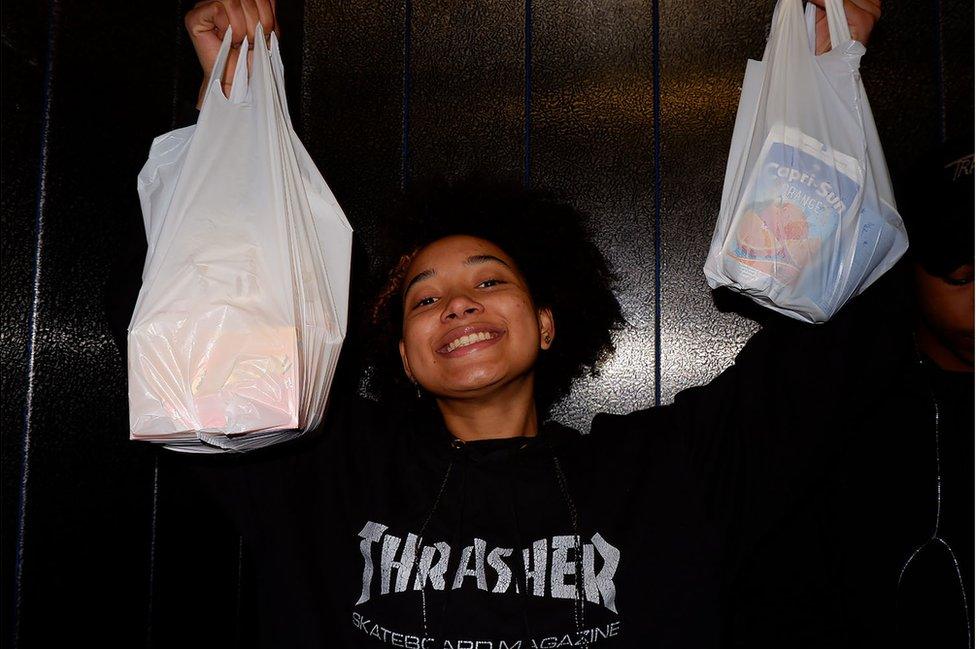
(236, 332)
(808, 216)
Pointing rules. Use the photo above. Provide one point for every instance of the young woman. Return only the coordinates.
(453, 513)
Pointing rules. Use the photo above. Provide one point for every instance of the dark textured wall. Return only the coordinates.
(624, 108)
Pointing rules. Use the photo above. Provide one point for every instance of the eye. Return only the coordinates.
(427, 301)
(488, 283)
(958, 281)
(960, 277)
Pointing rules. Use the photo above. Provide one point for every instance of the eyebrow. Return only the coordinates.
(483, 259)
(470, 261)
(419, 277)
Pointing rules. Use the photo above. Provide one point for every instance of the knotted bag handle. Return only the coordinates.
(840, 32)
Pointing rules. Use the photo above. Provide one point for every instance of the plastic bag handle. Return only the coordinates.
(220, 63)
(239, 84)
(840, 33)
(837, 27)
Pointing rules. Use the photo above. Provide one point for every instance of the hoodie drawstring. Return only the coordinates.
(520, 566)
(420, 538)
(579, 611)
(458, 446)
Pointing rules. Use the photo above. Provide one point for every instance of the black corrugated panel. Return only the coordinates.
(466, 106)
(704, 47)
(24, 61)
(352, 110)
(956, 36)
(629, 123)
(87, 516)
(592, 142)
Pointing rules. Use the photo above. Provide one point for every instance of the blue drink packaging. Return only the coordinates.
(791, 230)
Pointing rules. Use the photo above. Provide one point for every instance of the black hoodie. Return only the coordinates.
(776, 506)
(382, 529)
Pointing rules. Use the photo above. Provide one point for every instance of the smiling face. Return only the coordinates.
(469, 323)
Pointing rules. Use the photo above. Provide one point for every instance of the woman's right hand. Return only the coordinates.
(207, 22)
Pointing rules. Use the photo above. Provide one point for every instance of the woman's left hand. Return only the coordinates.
(861, 16)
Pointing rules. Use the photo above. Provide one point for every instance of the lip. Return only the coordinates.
(466, 330)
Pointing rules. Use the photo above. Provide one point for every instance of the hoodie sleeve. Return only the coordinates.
(757, 433)
(291, 503)
(247, 486)
(261, 490)
(760, 435)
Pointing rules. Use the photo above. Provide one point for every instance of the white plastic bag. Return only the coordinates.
(808, 216)
(243, 308)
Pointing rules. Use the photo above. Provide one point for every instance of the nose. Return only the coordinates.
(459, 306)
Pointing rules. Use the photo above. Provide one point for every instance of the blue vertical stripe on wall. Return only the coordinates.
(656, 79)
(178, 43)
(240, 573)
(527, 137)
(152, 551)
(938, 65)
(32, 325)
(407, 82)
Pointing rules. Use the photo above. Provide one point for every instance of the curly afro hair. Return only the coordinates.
(552, 246)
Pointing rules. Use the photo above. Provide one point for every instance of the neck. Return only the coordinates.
(930, 344)
(508, 412)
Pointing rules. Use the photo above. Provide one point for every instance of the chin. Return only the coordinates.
(471, 384)
(472, 380)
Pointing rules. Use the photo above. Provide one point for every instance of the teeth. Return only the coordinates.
(464, 341)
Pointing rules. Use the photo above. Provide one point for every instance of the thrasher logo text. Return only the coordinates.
(394, 565)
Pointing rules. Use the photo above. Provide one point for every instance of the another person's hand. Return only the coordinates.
(861, 16)
(207, 22)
